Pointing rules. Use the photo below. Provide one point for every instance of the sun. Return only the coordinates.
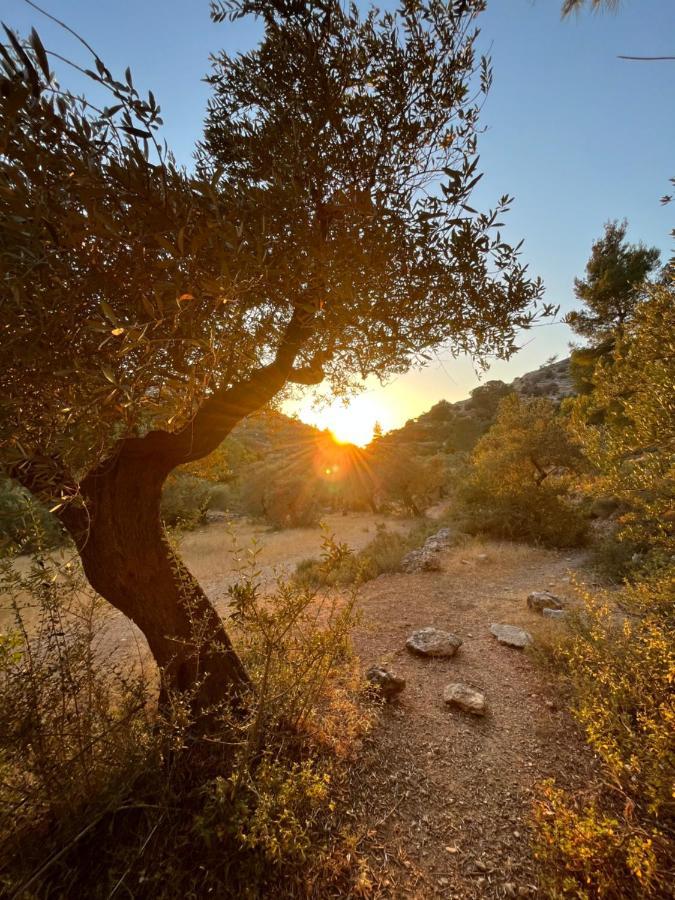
(352, 423)
(350, 426)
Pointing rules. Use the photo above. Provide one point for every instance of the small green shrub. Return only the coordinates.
(185, 499)
(615, 558)
(25, 524)
(340, 565)
(517, 485)
(223, 497)
(588, 853)
(541, 516)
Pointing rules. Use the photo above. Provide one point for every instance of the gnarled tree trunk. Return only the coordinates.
(114, 519)
(128, 560)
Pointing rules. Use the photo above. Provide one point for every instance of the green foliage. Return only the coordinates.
(26, 524)
(340, 565)
(614, 285)
(517, 485)
(411, 481)
(485, 399)
(588, 854)
(272, 252)
(631, 447)
(185, 499)
(621, 667)
(620, 659)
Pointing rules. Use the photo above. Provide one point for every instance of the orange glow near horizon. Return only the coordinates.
(352, 423)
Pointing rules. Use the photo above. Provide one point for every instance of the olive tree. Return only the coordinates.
(325, 235)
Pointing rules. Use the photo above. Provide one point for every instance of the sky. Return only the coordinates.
(575, 134)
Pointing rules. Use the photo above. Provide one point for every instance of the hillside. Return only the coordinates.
(453, 427)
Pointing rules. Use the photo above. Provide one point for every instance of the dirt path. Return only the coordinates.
(448, 795)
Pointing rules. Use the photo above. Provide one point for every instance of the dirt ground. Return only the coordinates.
(449, 794)
(442, 798)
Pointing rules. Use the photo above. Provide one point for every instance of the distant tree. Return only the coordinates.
(516, 484)
(410, 480)
(146, 311)
(378, 431)
(486, 398)
(616, 273)
(632, 443)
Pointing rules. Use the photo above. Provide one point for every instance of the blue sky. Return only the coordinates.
(575, 134)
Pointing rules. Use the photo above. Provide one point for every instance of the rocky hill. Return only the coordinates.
(453, 427)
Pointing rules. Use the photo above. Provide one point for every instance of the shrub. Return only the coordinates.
(223, 497)
(24, 523)
(95, 795)
(185, 499)
(625, 426)
(587, 853)
(620, 664)
(73, 729)
(517, 485)
(340, 565)
(544, 517)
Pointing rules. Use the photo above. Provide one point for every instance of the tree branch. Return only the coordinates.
(227, 406)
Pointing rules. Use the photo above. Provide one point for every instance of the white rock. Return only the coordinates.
(466, 698)
(554, 613)
(511, 635)
(433, 642)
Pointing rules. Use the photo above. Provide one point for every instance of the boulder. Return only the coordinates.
(420, 561)
(511, 635)
(554, 613)
(433, 642)
(385, 682)
(466, 698)
(539, 600)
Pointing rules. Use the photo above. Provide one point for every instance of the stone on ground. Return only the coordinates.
(385, 682)
(553, 613)
(433, 642)
(466, 698)
(420, 561)
(539, 600)
(425, 558)
(511, 635)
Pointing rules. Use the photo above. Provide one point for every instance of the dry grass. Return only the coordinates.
(208, 551)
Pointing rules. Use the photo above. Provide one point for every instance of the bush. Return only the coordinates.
(74, 731)
(25, 524)
(543, 517)
(340, 565)
(185, 499)
(625, 427)
(517, 485)
(223, 497)
(95, 794)
(620, 664)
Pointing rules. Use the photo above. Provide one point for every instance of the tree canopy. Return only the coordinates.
(327, 231)
(616, 273)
